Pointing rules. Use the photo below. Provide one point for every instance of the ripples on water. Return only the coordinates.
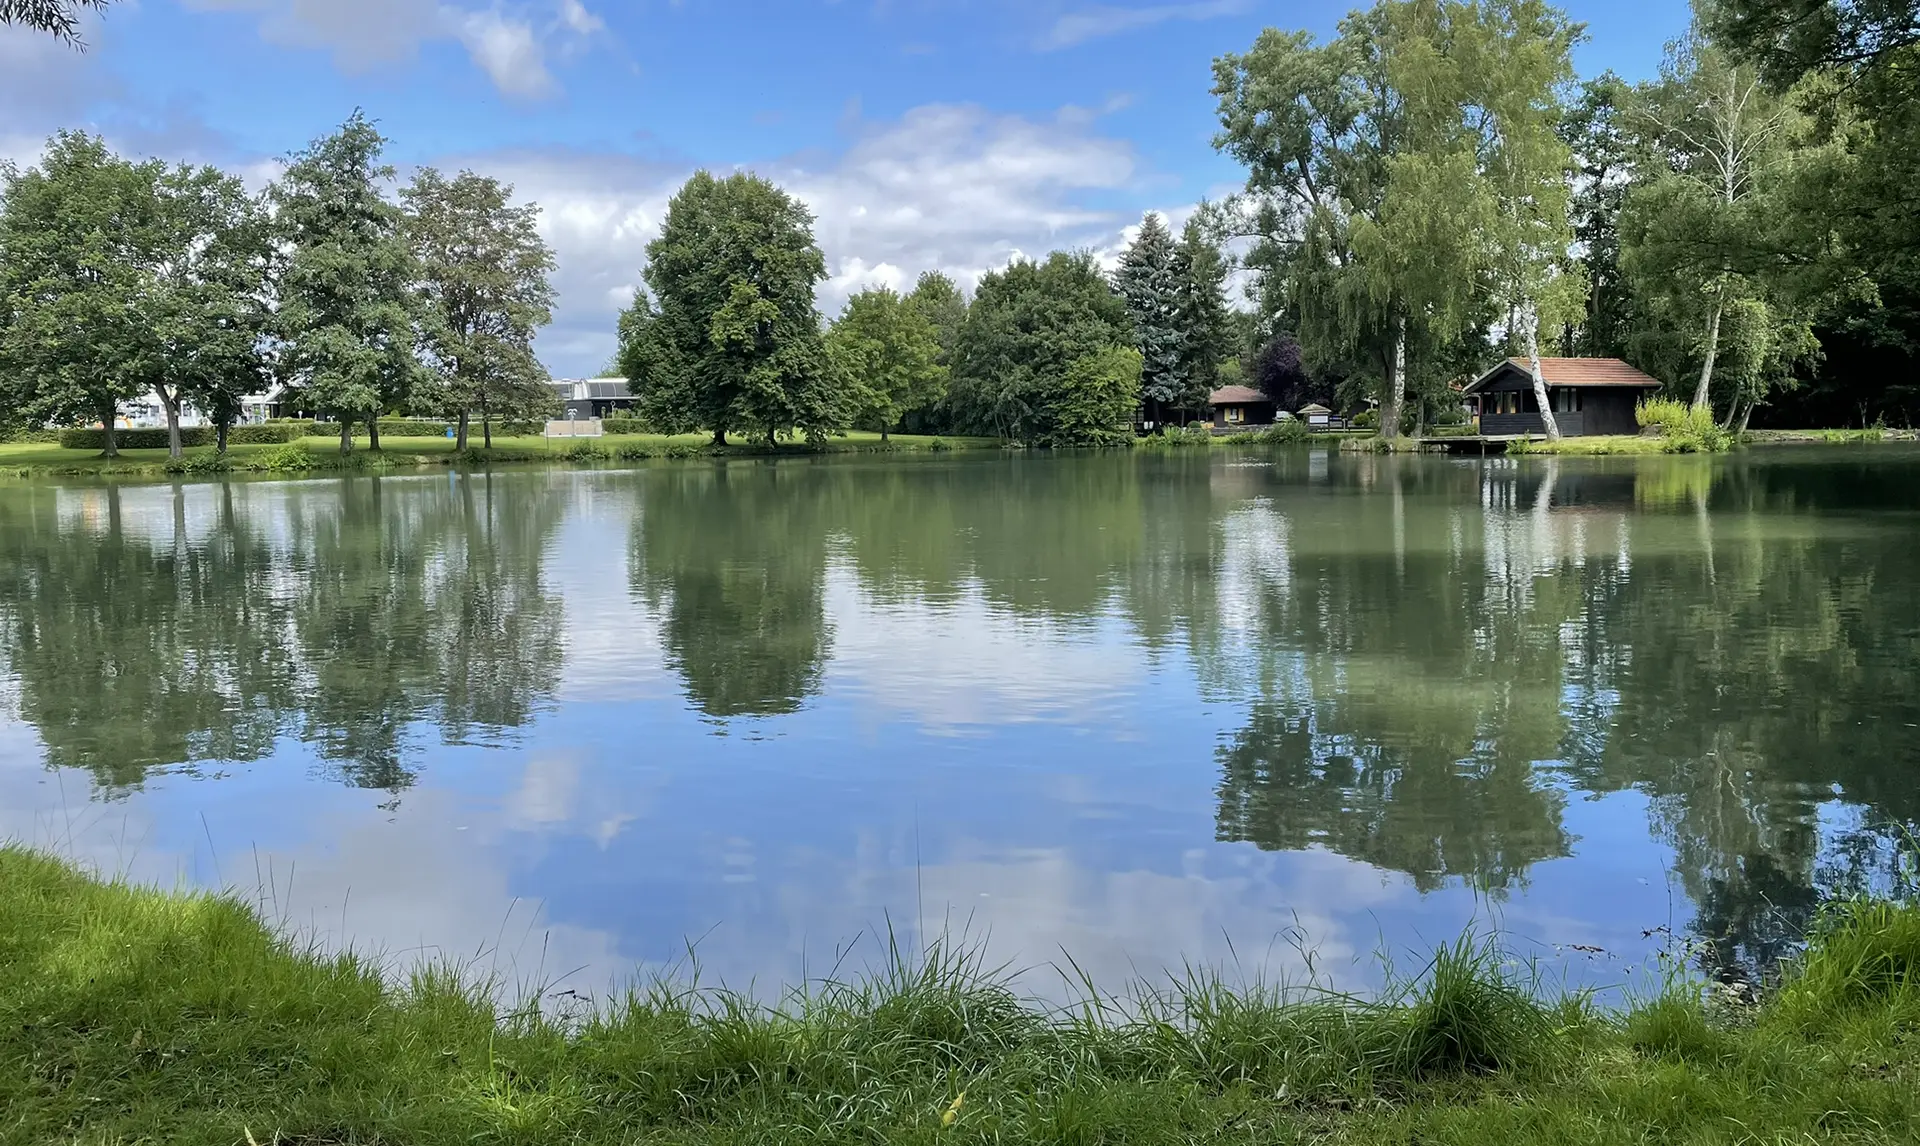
(1143, 709)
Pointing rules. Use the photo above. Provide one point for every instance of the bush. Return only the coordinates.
(43, 436)
(1686, 428)
(146, 439)
(624, 426)
(587, 451)
(200, 464)
(939, 446)
(1365, 420)
(270, 434)
(1289, 432)
(288, 458)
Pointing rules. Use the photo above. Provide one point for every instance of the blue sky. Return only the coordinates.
(947, 134)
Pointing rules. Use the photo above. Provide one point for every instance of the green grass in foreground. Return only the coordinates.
(29, 459)
(129, 1015)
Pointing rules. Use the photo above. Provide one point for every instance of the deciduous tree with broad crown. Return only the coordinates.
(484, 278)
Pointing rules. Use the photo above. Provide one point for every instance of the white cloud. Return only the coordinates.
(1106, 20)
(509, 52)
(946, 187)
(506, 42)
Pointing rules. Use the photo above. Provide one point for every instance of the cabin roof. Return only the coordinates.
(1573, 372)
(1238, 396)
(1314, 408)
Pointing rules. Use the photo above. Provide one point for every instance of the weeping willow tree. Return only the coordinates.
(60, 18)
(1403, 178)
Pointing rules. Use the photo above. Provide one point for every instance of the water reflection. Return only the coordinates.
(1048, 689)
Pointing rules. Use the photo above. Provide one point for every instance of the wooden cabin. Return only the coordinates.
(1319, 419)
(1232, 407)
(1588, 396)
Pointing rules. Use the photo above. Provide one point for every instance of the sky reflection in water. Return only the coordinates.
(1145, 710)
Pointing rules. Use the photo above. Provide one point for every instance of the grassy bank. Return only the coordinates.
(128, 1015)
(33, 459)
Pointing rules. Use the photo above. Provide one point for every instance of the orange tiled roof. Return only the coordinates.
(1237, 396)
(1580, 372)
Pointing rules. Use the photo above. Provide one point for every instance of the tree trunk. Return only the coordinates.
(170, 403)
(1746, 415)
(883, 432)
(719, 437)
(220, 436)
(373, 433)
(106, 424)
(1540, 384)
(486, 423)
(346, 433)
(1396, 386)
(1703, 394)
(460, 443)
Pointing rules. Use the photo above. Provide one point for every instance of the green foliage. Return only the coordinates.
(155, 439)
(1095, 402)
(484, 270)
(1404, 178)
(1864, 953)
(79, 235)
(348, 316)
(736, 343)
(113, 984)
(58, 18)
(1684, 427)
(1027, 328)
(289, 458)
(1147, 281)
(888, 353)
(621, 425)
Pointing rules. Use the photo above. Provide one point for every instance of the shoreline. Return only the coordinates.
(134, 1013)
(319, 456)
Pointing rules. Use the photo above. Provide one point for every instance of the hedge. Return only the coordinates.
(429, 428)
(156, 439)
(624, 426)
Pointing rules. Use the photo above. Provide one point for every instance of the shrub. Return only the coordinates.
(939, 446)
(1366, 420)
(1686, 428)
(1289, 432)
(681, 450)
(273, 433)
(200, 464)
(287, 458)
(624, 425)
(635, 451)
(48, 436)
(145, 439)
(588, 451)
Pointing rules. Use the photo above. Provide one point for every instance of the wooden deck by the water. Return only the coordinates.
(1476, 443)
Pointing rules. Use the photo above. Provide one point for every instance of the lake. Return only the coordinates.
(1247, 709)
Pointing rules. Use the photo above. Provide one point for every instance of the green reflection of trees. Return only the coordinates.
(734, 557)
(152, 627)
(109, 672)
(1402, 662)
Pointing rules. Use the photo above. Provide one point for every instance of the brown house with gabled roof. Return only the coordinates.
(1232, 407)
(1588, 396)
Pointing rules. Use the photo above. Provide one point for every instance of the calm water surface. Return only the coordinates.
(1139, 709)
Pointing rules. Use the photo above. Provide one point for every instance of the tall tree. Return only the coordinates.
(484, 276)
(78, 239)
(1148, 281)
(889, 353)
(1028, 326)
(1355, 164)
(205, 310)
(1700, 228)
(1200, 313)
(733, 274)
(938, 297)
(1599, 132)
(1521, 64)
(348, 316)
(61, 18)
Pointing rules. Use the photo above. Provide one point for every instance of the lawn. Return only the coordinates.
(27, 459)
(134, 1015)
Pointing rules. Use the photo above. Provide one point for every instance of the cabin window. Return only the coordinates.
(1236, 415)
(1566, 401)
